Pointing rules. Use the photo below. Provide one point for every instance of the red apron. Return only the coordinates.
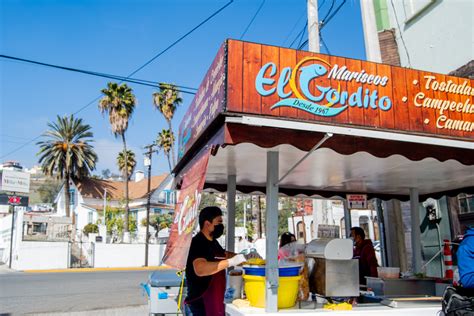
(213, 297)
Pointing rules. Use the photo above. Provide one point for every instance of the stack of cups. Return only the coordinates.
(235, 282)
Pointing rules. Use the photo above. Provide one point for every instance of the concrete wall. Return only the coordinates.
(41, 255)
(126, 255)
(440, 38)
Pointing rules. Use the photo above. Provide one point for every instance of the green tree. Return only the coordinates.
(114, 221)
(90, 228)
(167, 100)
(49, 190)
(165, 141)
(106, 174)
(131, 162)
(207, 199)
(159, 221)
(119, 103)
(66, 152)
(288, 207)
(239, 217)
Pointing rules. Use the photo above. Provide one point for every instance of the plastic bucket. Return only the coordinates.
(287, 290)
(285, 271)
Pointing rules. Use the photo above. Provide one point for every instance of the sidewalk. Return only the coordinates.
(123, 311)
(4, 269)
(97, 269)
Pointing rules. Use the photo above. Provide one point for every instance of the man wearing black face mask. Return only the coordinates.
(205, 267)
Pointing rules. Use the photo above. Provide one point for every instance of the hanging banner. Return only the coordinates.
(186, 214)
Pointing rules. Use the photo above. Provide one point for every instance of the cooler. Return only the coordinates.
(163, 293)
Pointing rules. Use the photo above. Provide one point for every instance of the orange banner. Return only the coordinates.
(186, 214)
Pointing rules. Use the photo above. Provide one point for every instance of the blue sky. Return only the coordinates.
(118, 36)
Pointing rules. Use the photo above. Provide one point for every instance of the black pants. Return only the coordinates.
(196, 308)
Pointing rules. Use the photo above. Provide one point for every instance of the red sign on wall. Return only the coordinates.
(186, 214)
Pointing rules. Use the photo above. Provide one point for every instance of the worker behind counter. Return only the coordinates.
(205, 267)
(364, 251)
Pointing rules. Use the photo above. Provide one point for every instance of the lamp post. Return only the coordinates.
(147, 163)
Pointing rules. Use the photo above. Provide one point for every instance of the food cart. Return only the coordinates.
(280, 121)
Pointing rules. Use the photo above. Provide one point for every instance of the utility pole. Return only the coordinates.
(313, 26)
(147, 163)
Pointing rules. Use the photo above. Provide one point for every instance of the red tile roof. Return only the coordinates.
(94, 188)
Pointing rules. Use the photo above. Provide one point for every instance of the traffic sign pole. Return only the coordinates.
(11, 235)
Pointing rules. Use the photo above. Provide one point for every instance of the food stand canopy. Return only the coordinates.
(393, 128)
(277, 120)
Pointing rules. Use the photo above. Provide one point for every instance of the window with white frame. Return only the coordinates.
(466, 204)
(162, 197)
(415, 7)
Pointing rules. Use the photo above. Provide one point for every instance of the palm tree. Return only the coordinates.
(165, 141)
(131, 162)
(66, 152)
(119, 103)
(167, 101)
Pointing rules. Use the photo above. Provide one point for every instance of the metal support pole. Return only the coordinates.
(231, 189)
(347, 219)
(148, 199)
(325, 138)
(271, 269)
(11, 235)
(380, 221)
(415, 230)
(313, 26)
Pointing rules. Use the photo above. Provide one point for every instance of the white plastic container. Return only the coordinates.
(388, 272)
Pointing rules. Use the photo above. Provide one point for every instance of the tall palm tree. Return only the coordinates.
(167, 101)
(66, 152)
(165, 142)
(119, 103)
(131, 162)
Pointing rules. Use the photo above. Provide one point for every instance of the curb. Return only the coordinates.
(75, 270)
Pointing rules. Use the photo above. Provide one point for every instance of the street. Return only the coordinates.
(22, 293)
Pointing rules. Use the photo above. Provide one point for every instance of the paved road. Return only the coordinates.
(22, 293)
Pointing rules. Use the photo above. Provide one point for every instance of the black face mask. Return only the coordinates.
(218, 231)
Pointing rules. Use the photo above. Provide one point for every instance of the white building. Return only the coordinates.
(329, 215)
(87, 198)
(432, 35)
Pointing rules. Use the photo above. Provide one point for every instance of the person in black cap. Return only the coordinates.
(205, 266)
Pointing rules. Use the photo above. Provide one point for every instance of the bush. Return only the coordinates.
(90, 228)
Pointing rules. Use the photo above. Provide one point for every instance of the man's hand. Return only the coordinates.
(236, 260)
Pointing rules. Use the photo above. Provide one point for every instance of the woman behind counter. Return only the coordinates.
(285, 239)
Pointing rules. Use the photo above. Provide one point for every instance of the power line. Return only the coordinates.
(181, 38)
(325, 22)
(329, 11)
(134, 72)
(251, 21)
(98, 74)
(299, 34)
(324, 44)
(304, 31)
(293, 28)
(327, 19)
